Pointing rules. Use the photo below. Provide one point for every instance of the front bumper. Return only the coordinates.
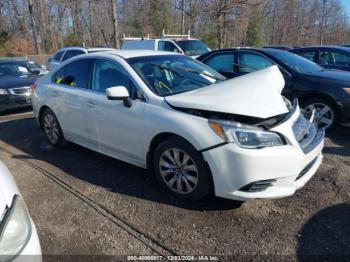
(234, 167)
(345, 112)
(32, 251)
(14, 101)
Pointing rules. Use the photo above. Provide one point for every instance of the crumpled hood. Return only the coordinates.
(8, 188)
(257, 94)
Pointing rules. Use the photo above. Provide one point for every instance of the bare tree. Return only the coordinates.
(115, 25)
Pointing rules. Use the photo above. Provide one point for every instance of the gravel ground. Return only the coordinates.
(84, 203)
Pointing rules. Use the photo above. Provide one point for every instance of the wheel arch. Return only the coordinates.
(159, 138)
(311, 95)
(40, 114)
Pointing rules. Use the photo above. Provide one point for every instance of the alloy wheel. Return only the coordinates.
(178, 171)
(324, 115)
(51, 128)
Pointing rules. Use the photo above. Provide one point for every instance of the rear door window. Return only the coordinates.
(221, 62)
(77, 73)
(58, 77)
(311, 55)
(250, 62)
(72, 53)
(58, 56)
(334, 58)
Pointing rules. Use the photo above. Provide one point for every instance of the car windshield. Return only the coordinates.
(193, 47)
(297, 63)
(14, 69)
(169, 75)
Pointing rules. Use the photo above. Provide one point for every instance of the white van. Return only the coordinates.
(183, 44)
(151, 44)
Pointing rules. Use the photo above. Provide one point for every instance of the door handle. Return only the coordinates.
(90, 103)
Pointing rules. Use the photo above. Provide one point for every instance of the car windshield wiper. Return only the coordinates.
(202, 73)
(167, 68)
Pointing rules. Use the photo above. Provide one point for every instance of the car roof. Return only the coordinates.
(134, 53)
(268, 51)
(88, 49)
(344, 48)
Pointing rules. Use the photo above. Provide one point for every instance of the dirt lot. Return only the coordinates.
(85, 203)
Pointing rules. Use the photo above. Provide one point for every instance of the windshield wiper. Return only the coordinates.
(202, 73)
(167, 68)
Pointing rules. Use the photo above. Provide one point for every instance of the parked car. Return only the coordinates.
(34, 66)
(68, 52)
(19, 239)
(15, 84)
(193, 130)
(331, 57)
(326, 91)
(189, 46)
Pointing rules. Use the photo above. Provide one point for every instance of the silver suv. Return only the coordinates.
(68, 52)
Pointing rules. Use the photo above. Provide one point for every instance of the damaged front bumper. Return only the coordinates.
(271, 172)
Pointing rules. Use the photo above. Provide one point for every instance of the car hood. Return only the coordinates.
(12, 81)
(257, 94)
(8, 188)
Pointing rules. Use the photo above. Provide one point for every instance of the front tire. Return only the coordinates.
(180, 169)
(52, 128)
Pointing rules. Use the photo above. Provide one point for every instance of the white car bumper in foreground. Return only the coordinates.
(271, 172)
(32, 251)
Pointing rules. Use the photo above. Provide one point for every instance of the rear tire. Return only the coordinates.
(52, 128)
(180, 169)
(327, 114)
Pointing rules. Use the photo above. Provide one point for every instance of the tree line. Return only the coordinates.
(44, 26)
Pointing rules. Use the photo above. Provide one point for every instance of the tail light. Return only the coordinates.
(33, 87)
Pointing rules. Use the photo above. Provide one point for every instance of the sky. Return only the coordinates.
(346, 4)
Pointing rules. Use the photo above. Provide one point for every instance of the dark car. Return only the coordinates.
(15, 85)
(326, 91)
(332, 57)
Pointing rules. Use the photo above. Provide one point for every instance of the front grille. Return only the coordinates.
(26, 90)
(307, 134)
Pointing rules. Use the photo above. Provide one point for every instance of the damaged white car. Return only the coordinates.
(195, 131)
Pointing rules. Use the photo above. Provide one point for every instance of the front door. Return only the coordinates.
(115, 128)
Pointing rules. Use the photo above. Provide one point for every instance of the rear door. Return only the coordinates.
(70, 86)
(250, 61)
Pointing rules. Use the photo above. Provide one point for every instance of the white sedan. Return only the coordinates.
(18, 237)
(171, 114)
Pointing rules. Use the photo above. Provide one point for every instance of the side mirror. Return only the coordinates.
(119, 93)
(36, 72)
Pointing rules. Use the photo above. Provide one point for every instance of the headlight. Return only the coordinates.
(15, 230)
(3, 91)
(347, 90)
(245, 136)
